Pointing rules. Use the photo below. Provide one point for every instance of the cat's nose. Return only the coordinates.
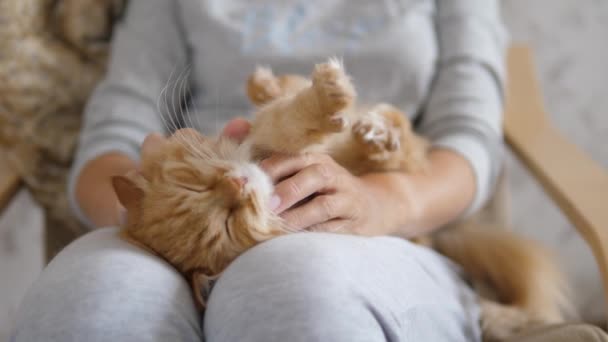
(239, 182)
(233, 189)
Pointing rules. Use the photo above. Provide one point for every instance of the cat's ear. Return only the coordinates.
(129, 194)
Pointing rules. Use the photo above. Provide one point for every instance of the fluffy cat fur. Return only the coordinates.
(52, 54)
(200, 202)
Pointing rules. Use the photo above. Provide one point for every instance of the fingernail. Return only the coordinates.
(275, 202)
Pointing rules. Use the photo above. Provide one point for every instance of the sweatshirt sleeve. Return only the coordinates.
(148, 47)
(464, 108)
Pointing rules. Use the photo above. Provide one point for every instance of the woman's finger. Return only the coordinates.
(337, 225)
(237, 129)
(320, 210)
(152, 143)
(310, 180)
(281, 166)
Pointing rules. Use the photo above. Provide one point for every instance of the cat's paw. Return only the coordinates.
(499, 322)
(338, 122)
(334, 88)
(375, 133)
(263, 86)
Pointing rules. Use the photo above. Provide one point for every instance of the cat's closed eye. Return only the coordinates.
(184, 176)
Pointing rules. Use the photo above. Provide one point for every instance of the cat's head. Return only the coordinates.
(197, 202)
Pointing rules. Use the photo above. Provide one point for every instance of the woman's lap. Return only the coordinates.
(328, 287)
(101, 288)
(309, 286)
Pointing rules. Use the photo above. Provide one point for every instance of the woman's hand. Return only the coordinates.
(94, 192)
(383, 203)
(374, 204)
(237, 129)
(330, 198)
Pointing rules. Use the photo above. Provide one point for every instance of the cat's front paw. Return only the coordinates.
(263, 86)
(375, 133)
(335, 91)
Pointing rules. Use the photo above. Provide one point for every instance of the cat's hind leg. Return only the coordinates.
(379, 131)
(385, 136)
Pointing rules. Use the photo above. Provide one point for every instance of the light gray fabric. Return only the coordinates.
(301, 287)
(441, 61)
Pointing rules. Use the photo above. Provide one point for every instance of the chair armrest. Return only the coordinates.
(576, 183)
(10, 182)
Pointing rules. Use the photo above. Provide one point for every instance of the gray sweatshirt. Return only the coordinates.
(440, 61)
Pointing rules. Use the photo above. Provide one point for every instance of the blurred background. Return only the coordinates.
(569, 40)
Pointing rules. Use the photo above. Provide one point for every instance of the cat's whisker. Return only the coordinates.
(196, 116)
(180, 89)
(164, 110)
(173, 111)
(171, 100)
(197, 146)
(195, 142)
(217, 110)
(185, 89)
(177, 92)
(171, 123)
(167, 115)
(175, 120)
(186, 120)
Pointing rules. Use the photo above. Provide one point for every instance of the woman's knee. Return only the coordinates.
(298, 285)
(98, 283)
(329, 287)
(302, 262)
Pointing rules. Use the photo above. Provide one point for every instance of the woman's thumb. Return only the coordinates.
(237, 129)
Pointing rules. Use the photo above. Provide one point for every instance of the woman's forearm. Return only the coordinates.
(412, 205)
(94, 192)
(417, 204)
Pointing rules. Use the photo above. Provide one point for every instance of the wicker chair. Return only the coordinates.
(578, 185)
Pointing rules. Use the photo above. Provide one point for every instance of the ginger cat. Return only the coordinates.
(204, 201)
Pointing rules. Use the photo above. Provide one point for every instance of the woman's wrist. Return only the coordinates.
(391, 204)
(416, 204)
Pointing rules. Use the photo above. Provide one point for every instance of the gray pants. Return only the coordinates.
(301, 287)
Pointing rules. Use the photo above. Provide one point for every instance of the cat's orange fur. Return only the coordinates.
(199, 202)
(297, 115)
(191, 207)
(517, 281)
